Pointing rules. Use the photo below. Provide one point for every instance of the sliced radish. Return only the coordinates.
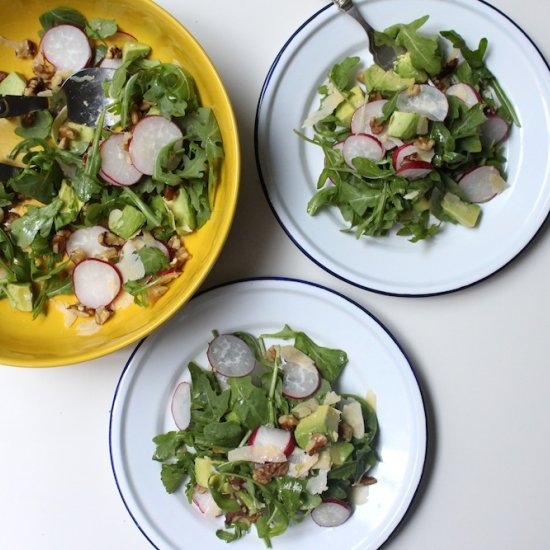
(362, 146)
(116, 163)
(106, 178)
(96, 282)
(150, 135)
(231, 356)
(66, 47)
(181, 405)
(429, 102)
(205, 502)
(331, 513)
(130, 265)
(482, 184)
(414, 169)
(465, 92)
(266, 436)
(361, 123)
(299, 380)
(87, 241)
(402, 154)
(111, 63)
(259, 454)
(493, 130)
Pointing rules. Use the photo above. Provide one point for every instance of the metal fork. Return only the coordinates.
(383, 55)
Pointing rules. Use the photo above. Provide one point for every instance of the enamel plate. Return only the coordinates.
(376, 364)
(289, 166)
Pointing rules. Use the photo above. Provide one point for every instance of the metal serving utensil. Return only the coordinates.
(383, 55)
(82, 92)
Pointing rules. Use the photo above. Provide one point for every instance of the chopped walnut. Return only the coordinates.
(174, 243)
(241, 516)
(345, 431)
(156, 292)
(413, 90)
(135, 114)
(376, 125)
(113, 52)
(77, 255)
(27, 119)
(109, 254)
(316, 443)
(236, 483)
(448, 68)
(41, 68)
(34, 86)
(24, 49)
(287, 422)
(101, 315)
(59, 241)
(80, 310)
(169, 193)
(375, 96)
(264, 473)
(367, 480)
(424, 143)
(145, 105)
(108, 238)
(181, 255)
(67, 132)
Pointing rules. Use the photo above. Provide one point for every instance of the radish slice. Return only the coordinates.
(361, 119)
(116, 163)
(96, 282)
(363, 146)
(230, 356)
(401, 153)
(106, 178)
(481, 184)
(206, 504)
(66, 47)
(111, 63)
(150, 135)
(181, 405)
(414, 169)
(465, 92)
(429, 102)
(331, 513)
(299, 380)
(87, 240)
(493, 130)
(266, 436)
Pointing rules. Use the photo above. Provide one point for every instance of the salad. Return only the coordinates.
(101, 212)
(264, 439)
(410, 148)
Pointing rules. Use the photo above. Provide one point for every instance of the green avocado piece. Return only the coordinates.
(345, 110)
(377, 79)
(340, 451)
(134, 50)
(403, 125)
(404, 68)
(182, 211)
(323, 421)
(13, 84)
(126, 222)
(20, 296)
(464, 213)
(203, 469)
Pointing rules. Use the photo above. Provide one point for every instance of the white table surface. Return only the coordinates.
(481, 355)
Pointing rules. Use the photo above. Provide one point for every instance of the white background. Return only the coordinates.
(480, 353)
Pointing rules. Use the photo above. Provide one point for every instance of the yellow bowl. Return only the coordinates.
(46, 341)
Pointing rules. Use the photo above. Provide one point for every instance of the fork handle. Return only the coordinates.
(15, 105)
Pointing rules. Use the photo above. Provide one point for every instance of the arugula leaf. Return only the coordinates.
(342, 74)
(35, 221)
(174, 474)
(249, 403)
(425, 53)
(153, 259)
(6, 198)
(62, 16)
(99, 28)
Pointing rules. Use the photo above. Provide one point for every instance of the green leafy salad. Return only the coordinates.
(408, 148)
(100, 212)
(264, 439)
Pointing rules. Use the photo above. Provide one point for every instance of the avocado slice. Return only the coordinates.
(323, 421)
(131, 51)
(203, 470)
(340, 452)
(345, 110)
(464, 213)
(126, 222)
(403, 125)
(20, 296)
(377, 79)
(13, 84)
(404, 68)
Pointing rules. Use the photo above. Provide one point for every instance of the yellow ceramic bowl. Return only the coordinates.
(46, 341)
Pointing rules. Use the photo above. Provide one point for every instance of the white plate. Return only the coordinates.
(457, 257)
(141, 410)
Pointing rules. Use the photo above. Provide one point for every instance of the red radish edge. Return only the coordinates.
(268, 436)
(493, 130)
(476, 184)
(241, 364)
(414, 169)
(470, 96)
(116, 163)
(290, 388)
(399, 155)
(180, 406)
(331, 513)
(82, 287)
